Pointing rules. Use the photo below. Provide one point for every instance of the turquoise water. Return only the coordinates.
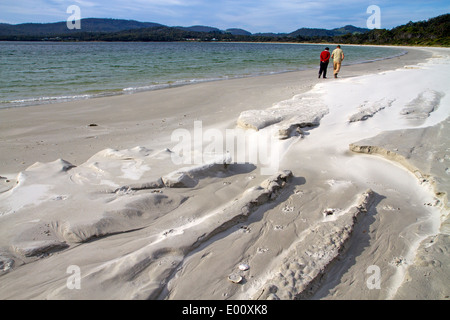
(34, 73)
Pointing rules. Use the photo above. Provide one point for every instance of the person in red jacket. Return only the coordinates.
(324, 60)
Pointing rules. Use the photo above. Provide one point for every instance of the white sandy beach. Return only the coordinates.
(291, 187)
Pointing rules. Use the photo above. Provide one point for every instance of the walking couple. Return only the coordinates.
(337, 56)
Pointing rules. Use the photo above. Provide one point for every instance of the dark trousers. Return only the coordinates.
(323, 69)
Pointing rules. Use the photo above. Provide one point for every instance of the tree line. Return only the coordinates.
(433, 32)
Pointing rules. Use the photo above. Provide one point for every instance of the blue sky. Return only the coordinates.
(252, 15)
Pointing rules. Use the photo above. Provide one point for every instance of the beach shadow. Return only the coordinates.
(347, 259)
(190, 178)
(256, 216)
(241, 224)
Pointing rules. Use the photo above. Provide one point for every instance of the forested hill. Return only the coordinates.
(92, 25)
(433, 32)
(136, 30)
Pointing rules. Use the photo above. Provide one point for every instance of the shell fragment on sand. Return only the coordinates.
(235, 278)
(244, 267)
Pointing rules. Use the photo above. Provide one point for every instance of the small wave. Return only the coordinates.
(42, 100)
(380, 59)
(170, 84)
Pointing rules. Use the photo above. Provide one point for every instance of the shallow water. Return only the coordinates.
(33, 73)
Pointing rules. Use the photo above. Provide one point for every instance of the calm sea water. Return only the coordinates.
(35, 73)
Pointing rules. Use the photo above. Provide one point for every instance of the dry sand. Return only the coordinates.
(353, 206)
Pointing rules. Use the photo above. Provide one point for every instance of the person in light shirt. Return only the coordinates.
(338, 56)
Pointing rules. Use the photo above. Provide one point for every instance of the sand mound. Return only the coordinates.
(308, 258)
(304, 110)
(419, 151)
(368, 109)
(113, 192)
(421, 107)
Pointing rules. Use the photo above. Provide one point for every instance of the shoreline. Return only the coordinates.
(140, 227)
(289, 84)
(45, 100)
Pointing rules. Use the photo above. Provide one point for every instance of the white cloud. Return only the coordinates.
(85, 4)
(33, 11)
